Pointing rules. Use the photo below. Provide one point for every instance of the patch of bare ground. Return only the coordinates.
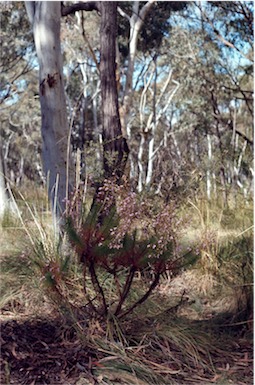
(41, 352)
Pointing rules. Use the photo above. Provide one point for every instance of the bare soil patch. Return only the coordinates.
(38, 352)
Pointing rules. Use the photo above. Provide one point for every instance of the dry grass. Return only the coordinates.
(172, 338)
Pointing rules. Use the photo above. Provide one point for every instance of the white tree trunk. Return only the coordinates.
(6, 204)
(140, 164)
(150, 159)
(153, 122)
(45, 18)
(3, 194)
(135, 23)
(208, 173)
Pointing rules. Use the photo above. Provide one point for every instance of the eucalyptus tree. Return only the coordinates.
(45, 19)
(136, 34)
(142, 27)
(169, 93)
(114, 144)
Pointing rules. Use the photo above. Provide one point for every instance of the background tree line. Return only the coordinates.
(180, 118)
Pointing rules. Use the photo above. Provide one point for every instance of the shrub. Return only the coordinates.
(119, 238)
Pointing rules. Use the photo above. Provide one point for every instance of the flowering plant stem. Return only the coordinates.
(98, 288)
(144, 297)
(126, 290)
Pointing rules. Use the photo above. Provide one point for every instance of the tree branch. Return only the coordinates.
(140, 15)
(82, 6)
(245, 137)
(145, 9)
(123, 14)
(221, 38)
(228, 43)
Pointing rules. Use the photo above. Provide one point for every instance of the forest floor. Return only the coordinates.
(39, 349)
(189, 332)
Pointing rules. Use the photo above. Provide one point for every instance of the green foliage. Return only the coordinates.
(158, 25)
(20, 133)
(155, 27)
(16, 35)
(239, 29)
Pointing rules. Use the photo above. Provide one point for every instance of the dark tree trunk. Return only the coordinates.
(115, 145)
